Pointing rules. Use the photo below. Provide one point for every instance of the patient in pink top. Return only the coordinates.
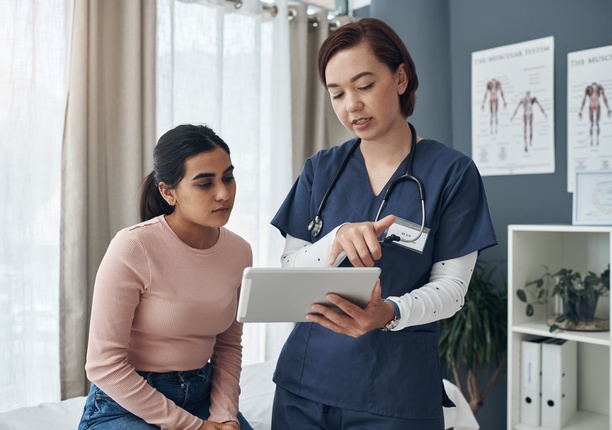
(164, 344)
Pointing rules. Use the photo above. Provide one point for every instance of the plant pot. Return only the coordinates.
(583, 310)
(575, 316)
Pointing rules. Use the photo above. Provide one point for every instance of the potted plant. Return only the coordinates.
(571, 298)
(474, 340)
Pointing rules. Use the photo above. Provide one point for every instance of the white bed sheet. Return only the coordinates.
(255, 404)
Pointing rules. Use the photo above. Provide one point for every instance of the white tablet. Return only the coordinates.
(287, 294)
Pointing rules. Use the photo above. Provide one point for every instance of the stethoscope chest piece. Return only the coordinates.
(315, 226)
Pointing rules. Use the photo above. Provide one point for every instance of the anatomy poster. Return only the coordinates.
(589, 118)
(513, 108)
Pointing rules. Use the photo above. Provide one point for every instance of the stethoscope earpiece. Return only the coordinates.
(392, 238)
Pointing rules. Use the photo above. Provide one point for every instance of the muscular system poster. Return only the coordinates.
(589, 117)
(513, 108)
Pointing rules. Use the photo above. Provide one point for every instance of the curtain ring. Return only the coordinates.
(273, 9)
(292, 14)
(335, 24)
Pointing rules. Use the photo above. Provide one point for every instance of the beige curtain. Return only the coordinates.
(201, 46)
(108, 143)
(34, 42)
(315, 125)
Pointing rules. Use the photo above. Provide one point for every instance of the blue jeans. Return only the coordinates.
(189, 389)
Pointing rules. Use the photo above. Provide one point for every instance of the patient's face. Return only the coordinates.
(205, 196)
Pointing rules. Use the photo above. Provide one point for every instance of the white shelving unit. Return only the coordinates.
(580, 248)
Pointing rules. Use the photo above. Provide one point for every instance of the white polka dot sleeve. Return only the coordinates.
(441, 297)
(300, 253)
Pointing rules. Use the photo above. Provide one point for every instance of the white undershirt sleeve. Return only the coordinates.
(300, 253)
(441, 297)
(438, 299)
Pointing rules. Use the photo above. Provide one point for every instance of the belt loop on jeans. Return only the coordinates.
(181, 376)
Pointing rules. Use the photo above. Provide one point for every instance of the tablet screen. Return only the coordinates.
(287, 294)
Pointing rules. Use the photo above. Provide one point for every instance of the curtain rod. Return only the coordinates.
(273, 10)
(315, 21)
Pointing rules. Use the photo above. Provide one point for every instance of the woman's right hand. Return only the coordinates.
(212, 425)
(360, 241)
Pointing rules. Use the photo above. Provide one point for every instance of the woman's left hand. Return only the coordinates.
(355, 321)
(213, 425)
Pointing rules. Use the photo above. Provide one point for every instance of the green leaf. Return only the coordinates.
(477, 334)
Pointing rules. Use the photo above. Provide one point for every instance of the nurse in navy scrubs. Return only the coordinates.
(409, 205)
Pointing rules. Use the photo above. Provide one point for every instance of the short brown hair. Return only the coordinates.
(386, 46)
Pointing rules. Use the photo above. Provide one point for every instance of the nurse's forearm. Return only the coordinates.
(300, 253)
(441, 297)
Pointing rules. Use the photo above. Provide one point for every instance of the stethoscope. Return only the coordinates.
(316, 224)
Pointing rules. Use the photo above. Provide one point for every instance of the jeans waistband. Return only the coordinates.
(181, 374)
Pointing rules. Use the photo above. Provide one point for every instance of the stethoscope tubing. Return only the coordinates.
(316, 224)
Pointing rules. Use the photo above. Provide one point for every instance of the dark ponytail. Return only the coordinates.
(169, 156)
(152, 203)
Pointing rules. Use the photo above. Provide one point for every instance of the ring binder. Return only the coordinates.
(531, 393)
(559, 382)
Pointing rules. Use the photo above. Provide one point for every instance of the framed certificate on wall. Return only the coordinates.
(592, 204)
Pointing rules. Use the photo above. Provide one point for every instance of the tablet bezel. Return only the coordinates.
(287, 294)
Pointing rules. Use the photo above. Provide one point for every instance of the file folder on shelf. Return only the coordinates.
(559, 382)
(531, 394)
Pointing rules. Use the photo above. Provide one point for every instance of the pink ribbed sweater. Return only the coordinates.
(160, 306)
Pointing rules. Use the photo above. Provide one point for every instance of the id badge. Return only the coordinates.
(406, 231)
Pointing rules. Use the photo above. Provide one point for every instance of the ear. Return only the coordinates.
(167, 193)
(401, 77)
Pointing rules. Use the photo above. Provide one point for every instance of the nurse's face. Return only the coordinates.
(365, 93)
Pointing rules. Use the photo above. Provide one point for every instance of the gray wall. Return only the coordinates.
(424, 27)
(482, 24)
(441, 35)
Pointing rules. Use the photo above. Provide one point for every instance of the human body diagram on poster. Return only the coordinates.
(594, 93)
(513, 108)
(527, 103)
(589, 112)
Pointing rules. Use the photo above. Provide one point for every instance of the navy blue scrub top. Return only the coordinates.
(388, 373)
